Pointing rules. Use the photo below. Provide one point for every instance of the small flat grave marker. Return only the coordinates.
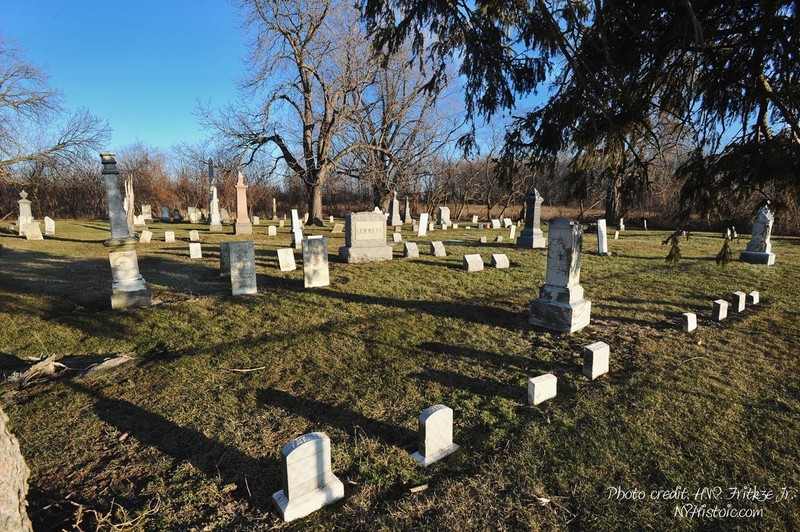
(595, 359)
(411, 250)
(541, 388)
(473, 263)
(739, 299)
(437, 249)
(753, 297)
(435, 435)
(500, 261)
(689, 321)
(719, 310)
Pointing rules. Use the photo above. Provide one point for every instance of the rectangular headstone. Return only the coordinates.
(337, 228)
(512, 234)
(542, 388)
(49, 226)
(423, 224)
(473, 263)
(32, 231)
(595, 359)
(616, 235)
(443, 227)
(411, 250)
(397, 238)
(169, 236)
(507, 222)
(602, 238)
(243, 267)
(437, 249)
(475, 218)
(330, 219)
(315, 262)
(286, 260)
(719, 310)
(138, 221)
(147, 212)
(194, 235)
(272, 230)
(689, 321)
(444, 216)
(224, 259)
(145, 237)
(195, 251)
(495, 223)
(256, 220)
(281, 223)
(500, 260)
(739, 301)
(455, 226)
(753, 297)
(498, 238)
(435, 435)
(365, 238)
(480, 226)
(482, 240)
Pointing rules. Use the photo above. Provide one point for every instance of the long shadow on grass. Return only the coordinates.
(482, 387)
(209, 456)
(525, 364)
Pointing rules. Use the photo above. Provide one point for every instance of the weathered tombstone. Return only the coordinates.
(561, 306)
(243, 225)
(423, 224)
(689, 321)
(25, 216)
(365, 238)
(315, 261)
(480, 226)
(444, 217)
(14, 485)
(542, 388)
(308, 481)
(242, 267)
(272, 230)
(256, 220)
(194, 215)
(507, 222)
(473, 263)
(32, 231)
(407, 219)
(531, 235)
(224, 216)
(621, 224)
(482, 240)
(331, 219)
(145, 237)
(338, 228)
(139, 221)
(169, 236)
(474, 218)
(215, 217)
(176, 215)
(435, 435)
(512, 234)
(411, 250)
(739, 299)
(194, 235)
(147, 212)
(455, 226)
(498, 238)
(224, 259)
(394, 219)
(719, 310)
(753, 298)
(595, 359)
(495, 223)
(286, 260)
(616, 235)
(759, 249)
(49, 226)
(397, 238)
(602, 238)
(281, 223)
(195, 250)
(500, 261)
(128, 288)
(165, 217)
(437, 249)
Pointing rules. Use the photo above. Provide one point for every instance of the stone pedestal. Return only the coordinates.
(561, 306)
(215, 222)
(25, 216)
(531, 235)
(394, 218)
(365, 238)
(243, 225)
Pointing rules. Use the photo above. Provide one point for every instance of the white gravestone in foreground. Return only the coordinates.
(195, 250)
(602, 238)
(542, 388)
(719, 310)
(423, 224)
(169, 236)
(308, 480)
(689, 321)
(595, 359)
(435, 435)
(561, 306)
(315, 262)
(272, 230)
(739, 302)
(286, 260)
(437, 249)
(500, 260)
(32, 231)
(411, 250)
(242, 267)
(753, 297)
(473, 263)
(759, 249)
(365, 238)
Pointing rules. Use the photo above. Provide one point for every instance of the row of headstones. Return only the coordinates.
(719, 308)
(308, 479)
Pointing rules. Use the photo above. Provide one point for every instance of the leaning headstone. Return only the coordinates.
(365, 238)
(286, 260)
(394, 219)
(435, 435)
(145, 237)
(759, 249)
(474, 218)
(308, 481)
(32, 231)
(507, 222)
(602, 238)
(397, 238)
(616, 235)
(753, 298)
(689, 321)
(719, 310)
(49, 226)
(194, 235)
(243, 224)
(242, 267)
(14, 487)
(437, 249)
(169, 236)
(531, 235)
(473, 263)
(315, 262)
(272, 230)
(595, 359)
(215, 221)
(542, 388)
(195, 250)
(512, 234)
(165, 216)
(337, 228)
(411, 250)
(224, 259)
(561, 306)
(444, 216)
(739, 300)
(495, 223)
(147, 212)
(25, 215)
(423, 224)
(500, 261)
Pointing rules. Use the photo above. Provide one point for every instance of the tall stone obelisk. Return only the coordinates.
(243, 225)
(531, 235)
(128, 288)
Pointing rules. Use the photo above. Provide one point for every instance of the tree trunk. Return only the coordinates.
(614, 200)
(315, 204)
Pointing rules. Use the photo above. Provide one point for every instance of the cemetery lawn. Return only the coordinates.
(186, 434)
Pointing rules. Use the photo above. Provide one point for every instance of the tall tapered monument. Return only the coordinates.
(243, 224)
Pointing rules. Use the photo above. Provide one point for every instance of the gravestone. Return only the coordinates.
(473, 263)
(139, 221)
(295, 219)
(256, 220)
(286, 260)
(474, 218)
(411, 250)
(719, 310)
(308, 481)
(215, 217)
(32, 231)
(315, 261)
(165, 217)
(595, 359)
(394, 219)
(435, 435)
(498, 238)
(531, 235)
(195, 250)
(616, 235)
(480, 226)
(297, 230)
(272, 230)
(602, 238)
(512, 233)
(444, 216)
(621, 224)
(194, 215)
(14, 485)
(224, 216)
(561, 306)
(542, 388)
(145, 237)
(274, 209)
(243, 225)
(431, 226)
(49, 226)
(759, 249)
(689, 321)
(147, 212)
(242, 267)
(495, 223)
(437, 249)
(414, 226)
(365, 238)
(331, 219)
(176, 215)
(482, 240)
(645, 224)
(455, 226)
(169, 236)
(423, 224)
(397, 238)
(224, 259)
(507, 222)
(281, 223)
(739, 301)
(338, 228)
(500, 261)
(194, 235)
(25, 216)
(407, 219)
(305, 218)
(753, 298)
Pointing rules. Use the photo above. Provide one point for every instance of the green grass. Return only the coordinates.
(176, 432)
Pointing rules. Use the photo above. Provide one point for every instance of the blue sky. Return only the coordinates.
(140, 65)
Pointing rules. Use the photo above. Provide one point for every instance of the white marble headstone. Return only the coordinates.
(315, 262)
(272, 230)
(595, 359)
(473, 263)
(423, 224)
(500, 260)
(286, 260)
(169, 236)
(411, 250)
(437, 249)
(195, 251)
(145, 237)
(542, 388)
(435, 435)
(49, 226)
